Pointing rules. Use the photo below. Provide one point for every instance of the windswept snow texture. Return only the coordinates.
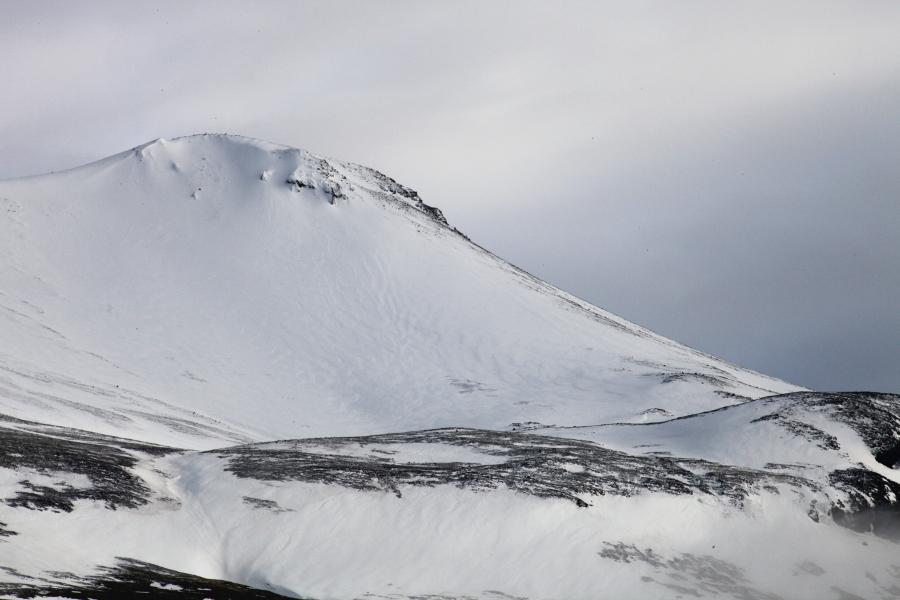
(165, 290)
(230, 369)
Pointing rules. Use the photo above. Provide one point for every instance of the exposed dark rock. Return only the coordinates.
(705, 573)
(844, 595)
(873, 503)
(732, 396)
(808, 567)
(875, 417)
(823, 440)
(389, 186)
(136, 579)
(79, 435)
(530, 464)
(627, 553)
(106, 468)
(266, 504)
(685, 376)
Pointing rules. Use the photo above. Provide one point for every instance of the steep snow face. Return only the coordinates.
(217, 288)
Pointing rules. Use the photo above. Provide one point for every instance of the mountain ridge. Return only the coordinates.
(252, 272)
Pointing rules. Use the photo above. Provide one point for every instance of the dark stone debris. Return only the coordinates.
(136, 579)
(531, 464)
(106, 467)
(704, 574)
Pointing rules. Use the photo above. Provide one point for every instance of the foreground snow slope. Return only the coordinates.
(466, 513)
(217, 289)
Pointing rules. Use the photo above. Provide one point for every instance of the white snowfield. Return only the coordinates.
(189, 275)
(222, 359)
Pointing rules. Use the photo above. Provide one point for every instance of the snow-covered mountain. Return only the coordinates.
(226, 363)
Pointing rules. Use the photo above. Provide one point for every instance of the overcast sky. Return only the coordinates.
(724, 173)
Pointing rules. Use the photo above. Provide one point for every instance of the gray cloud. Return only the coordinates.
(776, 250)
(726, 174)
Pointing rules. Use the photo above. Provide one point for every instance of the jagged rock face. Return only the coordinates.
(447, 426)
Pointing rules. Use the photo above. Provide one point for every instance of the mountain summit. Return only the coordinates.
(282, 294)
(234, 370)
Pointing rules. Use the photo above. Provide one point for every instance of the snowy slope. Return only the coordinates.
(465, 513)
(230, 369)
(233, 289)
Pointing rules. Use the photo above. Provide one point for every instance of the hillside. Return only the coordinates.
(222, 288)
(233, 370)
